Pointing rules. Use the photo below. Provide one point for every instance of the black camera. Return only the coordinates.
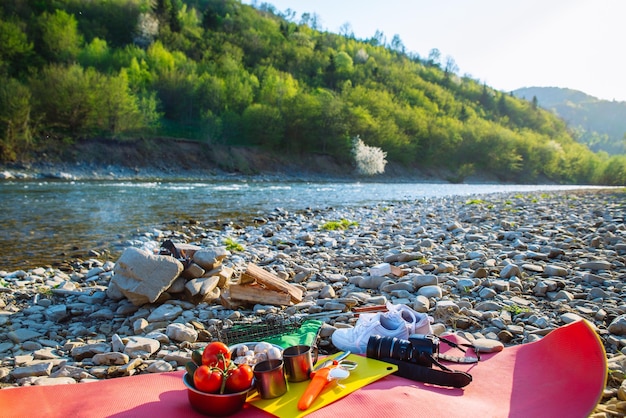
(416, 357)
(418, 349)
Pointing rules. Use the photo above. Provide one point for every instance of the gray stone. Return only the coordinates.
(47, 353)
(618, 325)
(421, 304)
(159, 336)
(53, 381)
(159, 366)
(110, 359)
(465, 285)
(178, 286)
(22, 334)
(181, 332)
(431, 292)
(104, 313)
(372, 282)
(476, 255)
(177, 356)
(445, 306)
(202, 286)
(534, 268)
(570, 317)
(327, 292)
(165, 312)
(21, 360)
(500, 285)
(208, 258)
(77, 373)
(486, 293)
(6, 346)
(596, 265)
(377, 300)
(445, 268)
(509, 271)
(141, 347)
(488, 306)
(193, 271)
(42, 342)
(552, 270)
(82, 352)
(142, 276)
(140, 325)
(597, 293)
(40, 369)
(408, 287)
(117, 345)
(563, 295)
(484, 345)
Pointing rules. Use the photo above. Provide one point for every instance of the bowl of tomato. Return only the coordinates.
(216, 386)
(214, 404)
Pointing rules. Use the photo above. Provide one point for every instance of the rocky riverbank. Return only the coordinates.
(506, 268)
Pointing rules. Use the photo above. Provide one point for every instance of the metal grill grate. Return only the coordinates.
(258, 330)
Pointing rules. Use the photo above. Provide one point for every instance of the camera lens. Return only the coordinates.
(388, 347)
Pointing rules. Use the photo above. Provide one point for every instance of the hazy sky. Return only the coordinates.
(508, 44)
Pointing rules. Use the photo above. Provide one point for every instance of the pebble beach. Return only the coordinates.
(504, 267)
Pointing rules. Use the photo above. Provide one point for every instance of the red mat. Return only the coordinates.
(562, 375)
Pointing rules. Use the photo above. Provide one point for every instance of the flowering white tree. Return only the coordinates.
(369, 160)
(147, 29)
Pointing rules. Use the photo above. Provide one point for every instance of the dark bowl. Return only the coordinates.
(214, 404)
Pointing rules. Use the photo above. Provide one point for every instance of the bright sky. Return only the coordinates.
(508, 44)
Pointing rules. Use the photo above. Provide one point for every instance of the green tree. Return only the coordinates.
(59, 38)
(14, 47)
(397, 44)
(276, 87)
(240, 86)
(167, 12)
(139, 76)
(96, 54)
(300, 117)
(613, 172)
(263, 125)
(63, 98)
(15, 135)
(333, 136)
(118, 110)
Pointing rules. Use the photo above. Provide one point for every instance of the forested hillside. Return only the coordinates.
(226, 74)
(599, 124)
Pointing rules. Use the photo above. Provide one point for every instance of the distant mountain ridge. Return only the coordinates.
(599, 124)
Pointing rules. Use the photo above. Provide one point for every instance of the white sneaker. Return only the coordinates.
(384, 324)
(416, 322)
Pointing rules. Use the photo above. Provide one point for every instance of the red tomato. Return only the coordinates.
(216, 354)
(207, 380)
(239, 379)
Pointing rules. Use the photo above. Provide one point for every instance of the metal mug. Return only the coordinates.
(299, 361)
(270, 378)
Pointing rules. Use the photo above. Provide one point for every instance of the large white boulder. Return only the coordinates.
(142, 277)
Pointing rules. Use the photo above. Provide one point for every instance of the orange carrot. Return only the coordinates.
(317, 384)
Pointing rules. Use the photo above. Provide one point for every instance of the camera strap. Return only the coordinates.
(462, 347)
(419, 373)
(443, 376)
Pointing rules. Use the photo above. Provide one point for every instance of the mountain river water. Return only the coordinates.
(44, 222)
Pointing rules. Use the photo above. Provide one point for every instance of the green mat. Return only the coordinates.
(305, 335)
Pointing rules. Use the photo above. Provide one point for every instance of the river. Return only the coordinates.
(44, 222)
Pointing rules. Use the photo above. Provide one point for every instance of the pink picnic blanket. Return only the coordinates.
(561, 375)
